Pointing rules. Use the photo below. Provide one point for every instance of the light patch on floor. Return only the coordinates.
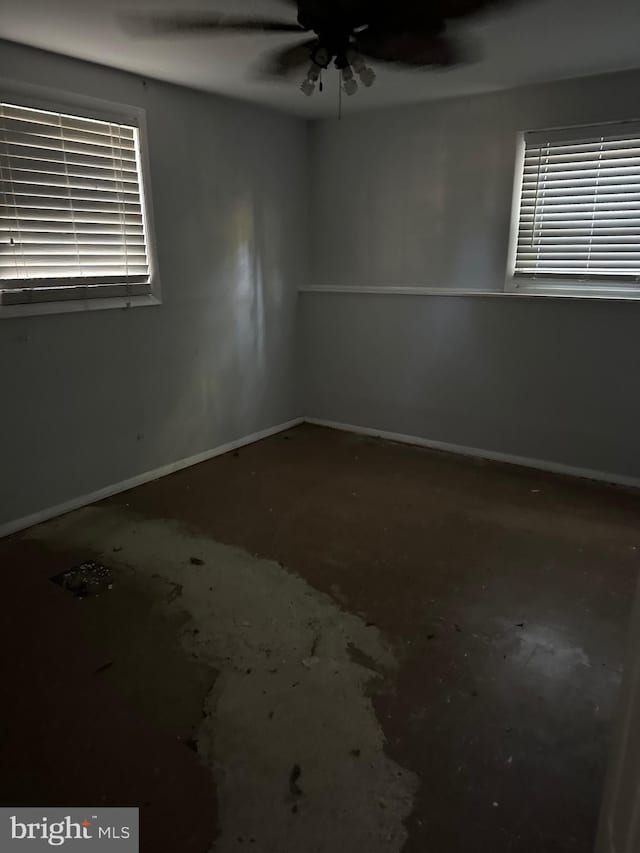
(289, 729)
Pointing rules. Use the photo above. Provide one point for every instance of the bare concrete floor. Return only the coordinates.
(326, 643)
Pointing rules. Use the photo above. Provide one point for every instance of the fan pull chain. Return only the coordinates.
(339, 98)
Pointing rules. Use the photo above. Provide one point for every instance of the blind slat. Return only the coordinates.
(61, 240)
(573, 253)
(557, 171)
(92, 271)
(84, 201)
(605, 217)
(75, 218)
(36, 171)
(560, 181)
(52, 143)
(624, 155)
(604, 266)
(16, 155)
(620, 231)
(66, 230)
(33, 182)
(80, 255)
(44, 133)
(605, 142)
(598, 205)
(620, 192)
(601, 243)
(72, 122)
(112, 181)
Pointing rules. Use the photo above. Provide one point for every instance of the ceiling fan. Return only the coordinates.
(345, 33)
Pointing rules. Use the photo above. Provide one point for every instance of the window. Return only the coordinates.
(73, 222)
(578, 225)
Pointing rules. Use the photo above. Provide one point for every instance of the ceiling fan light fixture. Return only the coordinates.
(349, 81)
(367, 77)
(366, 74)
(308, 87)
(314, 74)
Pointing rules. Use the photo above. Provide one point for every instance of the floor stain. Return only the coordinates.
(272, 720)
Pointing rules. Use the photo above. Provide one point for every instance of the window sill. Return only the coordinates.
(72, 306)
(573, 289)
(508, 293)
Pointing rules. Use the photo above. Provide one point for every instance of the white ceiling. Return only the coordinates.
(538, 40)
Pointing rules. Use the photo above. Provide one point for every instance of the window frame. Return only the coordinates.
(559, 284)
(75, 104)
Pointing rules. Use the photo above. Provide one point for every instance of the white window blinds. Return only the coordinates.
(71, 207)
(580, 205)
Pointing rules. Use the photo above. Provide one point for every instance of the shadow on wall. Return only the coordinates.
(224, 380)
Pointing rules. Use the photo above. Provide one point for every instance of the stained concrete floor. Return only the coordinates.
(326, 643)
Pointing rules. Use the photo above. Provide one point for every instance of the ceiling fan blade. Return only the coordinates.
(418, 50)
(197, 23)
(283, 62)
(414, 9)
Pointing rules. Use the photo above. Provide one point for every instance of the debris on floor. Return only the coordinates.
(175, 592)
(294, 788)
(86, 580)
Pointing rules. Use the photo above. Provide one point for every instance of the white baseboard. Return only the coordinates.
(108, 491)
(139, 480)
(479, 453)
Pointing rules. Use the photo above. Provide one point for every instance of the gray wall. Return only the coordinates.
(421, 196)
(418, 196)
(92, 399)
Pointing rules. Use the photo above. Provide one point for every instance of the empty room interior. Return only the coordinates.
(320, 426)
